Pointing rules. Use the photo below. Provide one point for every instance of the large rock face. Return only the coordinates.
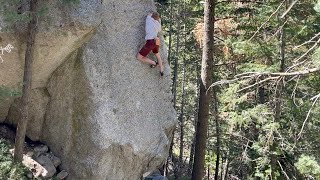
(38, 101)
(103, 112)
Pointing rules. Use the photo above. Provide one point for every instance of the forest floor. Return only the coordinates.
(38, 161)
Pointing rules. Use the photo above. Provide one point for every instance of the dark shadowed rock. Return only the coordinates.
(155, 175)
(48, 165)
(62, 175)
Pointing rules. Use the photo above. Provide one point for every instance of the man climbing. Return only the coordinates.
(153, 27)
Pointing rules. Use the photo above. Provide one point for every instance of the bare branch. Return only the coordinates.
(226, 63)
(257, 83)
(309, 41)
(267, 20)
(290, 7)
(304, 72)
(293, 95)
(278, 30)
(283, 171)
(307, 52)
(315, 99)
(269, 75)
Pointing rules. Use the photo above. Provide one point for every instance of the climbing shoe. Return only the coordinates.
(153, 66)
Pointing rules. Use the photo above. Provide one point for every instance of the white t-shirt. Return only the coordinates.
(153, 27)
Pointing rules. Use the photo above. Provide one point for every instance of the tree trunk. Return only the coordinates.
(191, 155)
(175, 68)
(282, 45)
(205, 95)
(174, 84)
(208, 172)
(182, 122)
(170, 34)
(281, 69)
(261, 94)
(226, 168)
(222, 163)
(27, 79)
(216, 115)
(164, 170)
(277, 114)
(193, 144)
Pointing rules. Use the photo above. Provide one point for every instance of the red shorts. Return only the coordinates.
(149, 46)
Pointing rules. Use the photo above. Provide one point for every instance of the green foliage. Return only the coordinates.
(257, 144)
(8, 92)
(317, 7)
(308, 166)
(14, 11)
(254, 50)
(245, 114)
(8, 169)
(316, 57)
(257, 67)
(11, 12)
(13, 17)
(70, 1)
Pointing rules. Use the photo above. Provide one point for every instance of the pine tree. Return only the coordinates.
(27, 79)
(205, 93)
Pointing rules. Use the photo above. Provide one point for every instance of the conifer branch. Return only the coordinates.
(288, 10)
(314, 99)
(257, 83)
(283, 170)
(262, 25)
(269, 76)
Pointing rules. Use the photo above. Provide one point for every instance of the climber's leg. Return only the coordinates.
(160, 62)
(145, 50)
(145, 59)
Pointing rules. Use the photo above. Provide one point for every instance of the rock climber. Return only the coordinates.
(153, 27)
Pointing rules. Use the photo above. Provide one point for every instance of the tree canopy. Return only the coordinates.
(266, 56)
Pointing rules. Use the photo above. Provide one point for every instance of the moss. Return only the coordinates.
(8, 168)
